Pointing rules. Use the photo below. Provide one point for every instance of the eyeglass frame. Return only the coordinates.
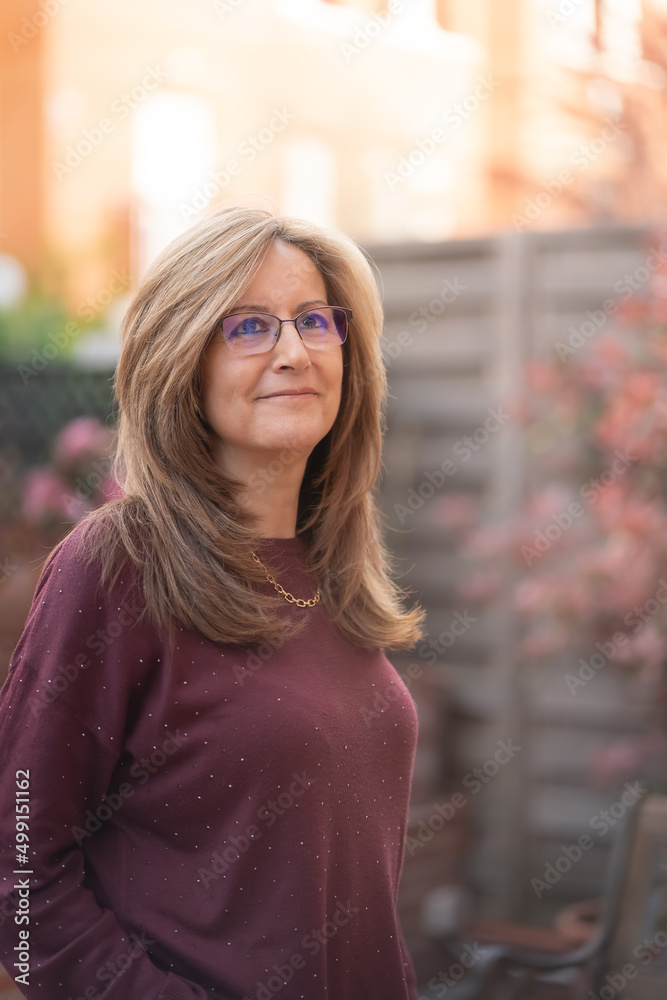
(259, 312)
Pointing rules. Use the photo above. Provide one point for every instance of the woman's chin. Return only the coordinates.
(294, 437)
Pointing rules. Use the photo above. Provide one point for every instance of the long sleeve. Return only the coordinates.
(200, 813)
(63, 712)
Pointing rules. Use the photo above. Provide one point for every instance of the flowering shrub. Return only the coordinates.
(77, 480)
(589, 546)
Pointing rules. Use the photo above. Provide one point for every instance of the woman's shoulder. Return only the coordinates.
(79, 619)
(91, 554)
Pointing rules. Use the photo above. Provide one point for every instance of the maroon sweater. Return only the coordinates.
(204, 823)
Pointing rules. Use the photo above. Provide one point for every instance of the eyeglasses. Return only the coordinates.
(257, 332)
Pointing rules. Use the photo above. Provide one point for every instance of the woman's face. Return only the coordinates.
(251, 423)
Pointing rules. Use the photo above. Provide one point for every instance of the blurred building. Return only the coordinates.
(394, 120)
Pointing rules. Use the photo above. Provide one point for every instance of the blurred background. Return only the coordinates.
(504, 166)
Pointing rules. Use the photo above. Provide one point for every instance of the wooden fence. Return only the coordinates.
(462, 318)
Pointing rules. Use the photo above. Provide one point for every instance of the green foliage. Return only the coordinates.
(33, 324)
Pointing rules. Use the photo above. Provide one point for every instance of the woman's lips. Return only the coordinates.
(290, 395)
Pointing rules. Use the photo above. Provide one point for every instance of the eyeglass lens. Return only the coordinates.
(253, 333)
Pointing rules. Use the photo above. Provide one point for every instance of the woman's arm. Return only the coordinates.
(63, 712)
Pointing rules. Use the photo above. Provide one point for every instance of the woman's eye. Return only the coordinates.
(248, 327)
(313, 320)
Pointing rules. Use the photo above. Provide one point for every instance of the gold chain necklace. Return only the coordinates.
(281, 590)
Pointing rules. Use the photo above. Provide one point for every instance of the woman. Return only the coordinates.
(209, 805)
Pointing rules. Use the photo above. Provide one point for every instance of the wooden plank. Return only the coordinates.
(509, 479)
(460, 286)
(593, 273)
(427, 403)
(449, 346)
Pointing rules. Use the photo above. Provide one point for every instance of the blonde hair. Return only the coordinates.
(182, 522)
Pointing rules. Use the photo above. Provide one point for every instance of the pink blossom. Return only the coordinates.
(535, 593)
(80, 440)
(481, 586)
(489, 540)
(456, 511)
(547, 502)
(658, 347)
(618, 761)
(45, 496)
(606, 365)
(542, 377)
(542, 643)
(659, 285)
(628, 757)
(649, 643)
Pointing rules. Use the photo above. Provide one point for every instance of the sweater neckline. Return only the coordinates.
(289, 544)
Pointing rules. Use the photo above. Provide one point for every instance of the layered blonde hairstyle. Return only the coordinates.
(182, 523)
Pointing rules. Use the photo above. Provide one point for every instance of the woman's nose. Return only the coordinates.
(290, 348)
